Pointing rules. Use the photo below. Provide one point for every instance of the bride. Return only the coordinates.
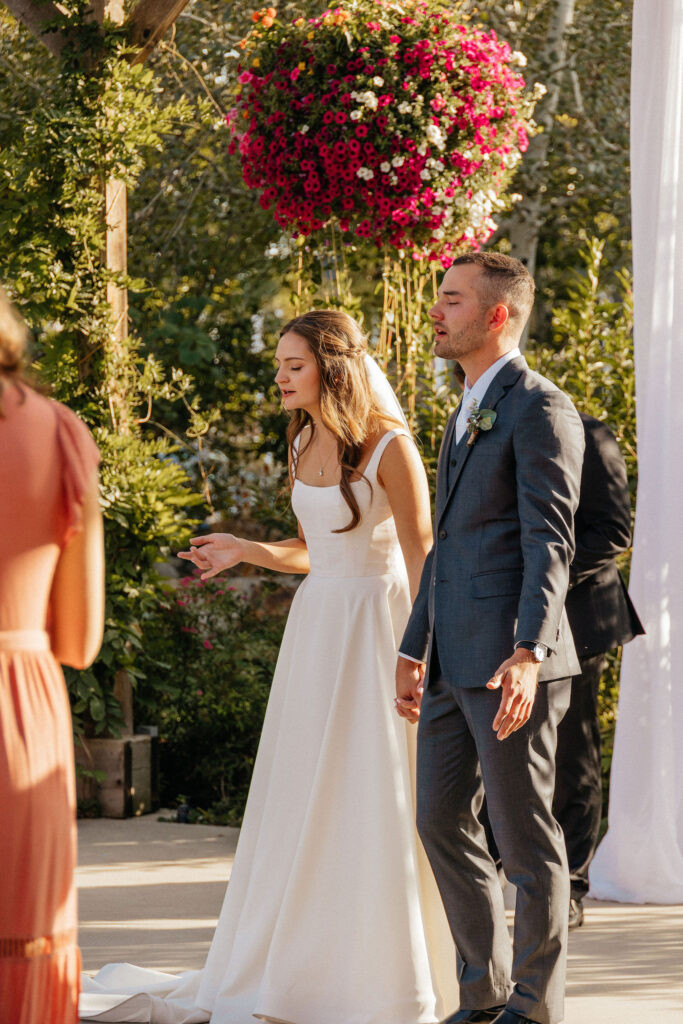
(331, 915)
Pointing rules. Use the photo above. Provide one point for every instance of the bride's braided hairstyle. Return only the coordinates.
(348, 407)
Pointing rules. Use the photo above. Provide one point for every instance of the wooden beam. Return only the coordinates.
(149, 21)
(35, 14)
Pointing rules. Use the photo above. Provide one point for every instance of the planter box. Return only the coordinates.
(131, 764)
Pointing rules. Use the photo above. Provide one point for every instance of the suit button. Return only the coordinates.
(454, 462)
(443, 534)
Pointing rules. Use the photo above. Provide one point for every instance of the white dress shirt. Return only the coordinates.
(475, 393)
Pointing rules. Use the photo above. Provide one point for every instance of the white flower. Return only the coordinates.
(398, 161)
(365, 172)
(425, 174)
(355, 95)
(516, 197)
(435, 136)
(393, 179)
(378, 81)
(518, 58)
(305, 128)
(404, 107)
(369, 99)
(356, 115)
(539, 90)
(422, 148)
(439, 233)
(385, 167)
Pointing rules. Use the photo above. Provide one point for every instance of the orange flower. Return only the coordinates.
(267, 22)
(255, 15)
(271, 12)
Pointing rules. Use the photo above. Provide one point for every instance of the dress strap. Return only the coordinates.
(379, 448)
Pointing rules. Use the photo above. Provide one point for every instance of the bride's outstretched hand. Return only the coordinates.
(214, 553)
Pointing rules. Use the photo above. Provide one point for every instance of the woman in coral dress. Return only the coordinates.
(51, 611)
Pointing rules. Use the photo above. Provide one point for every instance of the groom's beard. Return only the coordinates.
(459, 343)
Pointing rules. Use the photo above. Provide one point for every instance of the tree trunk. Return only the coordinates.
(525, 224)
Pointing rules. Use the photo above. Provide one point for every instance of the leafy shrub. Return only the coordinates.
(211, 651)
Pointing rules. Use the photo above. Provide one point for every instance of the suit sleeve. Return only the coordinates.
(603, 519)
(416, 636)
(549, 443)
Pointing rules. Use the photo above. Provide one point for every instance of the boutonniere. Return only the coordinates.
(478, 420)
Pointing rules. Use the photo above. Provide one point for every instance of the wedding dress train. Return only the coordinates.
(331, 915)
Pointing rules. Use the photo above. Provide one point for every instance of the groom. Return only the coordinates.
(488, 638)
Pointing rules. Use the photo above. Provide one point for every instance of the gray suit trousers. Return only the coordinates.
(459, 756)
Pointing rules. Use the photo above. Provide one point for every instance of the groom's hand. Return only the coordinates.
(409, 685)
(518, 677)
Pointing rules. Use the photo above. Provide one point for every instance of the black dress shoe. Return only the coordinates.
(575, 913)
(474, 1016)
(510, 1017)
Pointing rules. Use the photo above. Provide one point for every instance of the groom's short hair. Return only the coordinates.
(503, 279)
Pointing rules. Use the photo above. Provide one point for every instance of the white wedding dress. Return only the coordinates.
(331, 914)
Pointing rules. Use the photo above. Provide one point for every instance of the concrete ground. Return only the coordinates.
(150, 893)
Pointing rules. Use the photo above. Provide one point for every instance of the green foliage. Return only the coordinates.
(591, 355)
(211, 651)
(78, 130)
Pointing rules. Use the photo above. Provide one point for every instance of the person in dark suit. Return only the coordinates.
(601, 616)
(488, 656)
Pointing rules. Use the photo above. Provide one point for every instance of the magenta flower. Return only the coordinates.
(435, 118)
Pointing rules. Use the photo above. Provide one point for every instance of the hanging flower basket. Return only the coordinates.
(392, 120)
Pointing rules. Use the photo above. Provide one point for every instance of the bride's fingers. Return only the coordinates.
(192, 556)
(200, 541)
(209, 573)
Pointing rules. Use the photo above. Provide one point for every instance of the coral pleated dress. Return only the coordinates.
(47, 461)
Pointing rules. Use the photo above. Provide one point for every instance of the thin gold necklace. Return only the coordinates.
(321, 471)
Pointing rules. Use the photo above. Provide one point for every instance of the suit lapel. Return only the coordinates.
(444, 458)
(496, 390)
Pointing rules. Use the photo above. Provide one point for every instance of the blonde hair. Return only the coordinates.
(13, 345)
(348, 407)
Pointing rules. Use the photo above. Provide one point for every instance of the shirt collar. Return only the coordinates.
(480, 387)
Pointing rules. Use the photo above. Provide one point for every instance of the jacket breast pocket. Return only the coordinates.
(484, 446)
(498, 583)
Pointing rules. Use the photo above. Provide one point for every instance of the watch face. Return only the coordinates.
(539, 652)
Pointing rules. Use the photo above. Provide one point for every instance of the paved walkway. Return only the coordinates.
(150, 894)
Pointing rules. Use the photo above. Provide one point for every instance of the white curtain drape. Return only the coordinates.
(641, 858)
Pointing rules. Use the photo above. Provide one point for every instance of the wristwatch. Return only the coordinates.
(538, 650)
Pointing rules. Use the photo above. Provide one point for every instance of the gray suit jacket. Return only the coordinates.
(503, 536)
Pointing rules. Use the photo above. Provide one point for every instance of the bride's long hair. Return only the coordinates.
(348, 407)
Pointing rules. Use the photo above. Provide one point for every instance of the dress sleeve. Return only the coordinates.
(80, 458)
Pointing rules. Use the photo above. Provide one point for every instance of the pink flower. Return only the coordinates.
(207, 645)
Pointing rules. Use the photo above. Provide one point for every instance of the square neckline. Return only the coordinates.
(394, 432)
